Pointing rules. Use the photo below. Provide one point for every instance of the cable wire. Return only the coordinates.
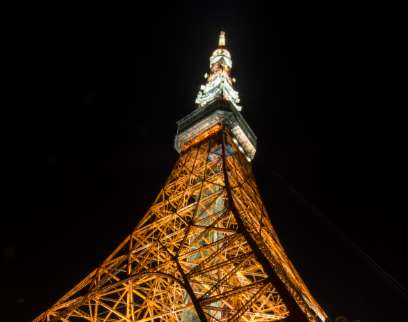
(320, 215)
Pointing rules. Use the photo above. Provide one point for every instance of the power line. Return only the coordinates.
(320, 215)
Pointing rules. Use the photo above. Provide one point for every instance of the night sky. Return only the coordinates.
(91, 96)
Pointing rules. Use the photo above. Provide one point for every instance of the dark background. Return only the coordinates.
(91, 97)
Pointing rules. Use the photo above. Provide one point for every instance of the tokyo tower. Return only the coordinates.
(206, 249)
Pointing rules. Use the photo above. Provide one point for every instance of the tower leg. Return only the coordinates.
(296, 314)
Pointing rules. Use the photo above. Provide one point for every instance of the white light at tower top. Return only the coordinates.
(219, 85)
(221, 40)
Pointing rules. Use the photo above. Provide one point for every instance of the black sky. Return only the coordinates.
(90, 102)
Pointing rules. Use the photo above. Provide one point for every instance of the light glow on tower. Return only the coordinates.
(219, 83)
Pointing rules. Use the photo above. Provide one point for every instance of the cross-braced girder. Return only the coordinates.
(204, 251)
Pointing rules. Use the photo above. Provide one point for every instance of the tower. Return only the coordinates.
(205, 250)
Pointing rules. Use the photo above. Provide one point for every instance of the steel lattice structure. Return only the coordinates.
(204, 251)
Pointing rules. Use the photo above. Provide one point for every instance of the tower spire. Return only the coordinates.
(219, 85)
(221, 39)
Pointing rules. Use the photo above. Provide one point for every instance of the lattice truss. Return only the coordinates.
(195, 254)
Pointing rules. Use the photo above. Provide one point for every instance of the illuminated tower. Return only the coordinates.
(205, 250)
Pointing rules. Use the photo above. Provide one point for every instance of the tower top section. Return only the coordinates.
(217, 108)
(221, 40)
(219, 83)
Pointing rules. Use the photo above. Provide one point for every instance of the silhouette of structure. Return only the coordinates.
(205, 250)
